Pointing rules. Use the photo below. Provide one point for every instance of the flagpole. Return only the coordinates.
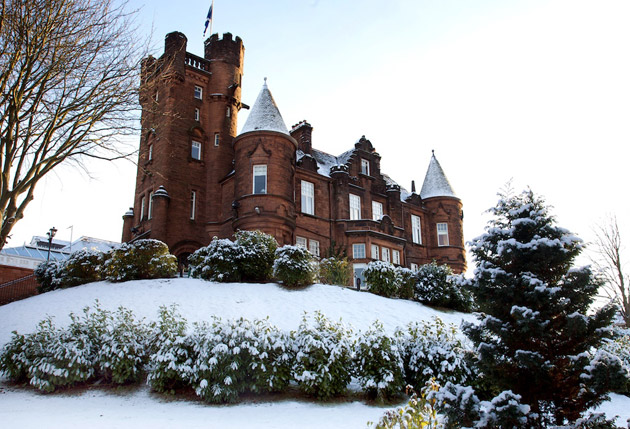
(209, 20)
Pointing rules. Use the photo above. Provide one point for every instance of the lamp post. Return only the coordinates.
(51, 233)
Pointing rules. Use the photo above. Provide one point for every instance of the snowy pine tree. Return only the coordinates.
(535, 335)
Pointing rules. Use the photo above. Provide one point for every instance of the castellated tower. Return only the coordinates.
(264, 167)
(189, 112)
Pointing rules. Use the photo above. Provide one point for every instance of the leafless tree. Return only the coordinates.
(68, 91)
(610, 263)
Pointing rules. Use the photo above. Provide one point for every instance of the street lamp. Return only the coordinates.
(50, 235)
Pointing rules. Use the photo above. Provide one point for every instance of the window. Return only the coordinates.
(150, 151)
(358, 251)
(142, 207)
(377, 210)
(228, 112)
(308, 197)
(300, 242)
(193, 204)
(216, 139)
(313, 247)
(414, 267)
(375, 254)
(365, 167)
(197, 114)
(355, 207)
(395, 257)
(416, 231)
(260, 179)
(442, 232)
(385, 254)
(198, 92)
(195, 150)
(150, 211)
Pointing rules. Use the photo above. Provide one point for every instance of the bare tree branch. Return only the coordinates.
(68, 91)
(611, 265)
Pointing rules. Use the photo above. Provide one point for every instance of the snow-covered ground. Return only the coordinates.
(199, 300)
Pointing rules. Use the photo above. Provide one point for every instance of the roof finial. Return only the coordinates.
(432, 152)
(265, 84)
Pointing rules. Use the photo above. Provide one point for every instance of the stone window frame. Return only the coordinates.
(307, 202)
(385, 254)
(313, 247)
(395, 257)
(150, 209)
(442, 234)
(374, 252)
(365, 166)
(355, 209)
(375, 212)
(413, 267)
(198, 92)
(193, 205)
(217, 139)
(301, 242)
(143, 202)
(259, 173)
(416, 229)
(197, 114)
(358, 251)
(195, 144)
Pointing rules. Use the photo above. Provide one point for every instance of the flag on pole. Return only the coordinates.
(208, 19)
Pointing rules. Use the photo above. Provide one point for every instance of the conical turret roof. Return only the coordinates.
(265, 115)
(435, 182)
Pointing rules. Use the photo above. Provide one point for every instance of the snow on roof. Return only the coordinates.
(326, 161)
(435, 182)
(404, 193)
(265, 115)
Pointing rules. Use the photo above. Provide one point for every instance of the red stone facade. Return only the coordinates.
(196, 178)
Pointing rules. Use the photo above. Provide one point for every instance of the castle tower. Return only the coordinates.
(264, 164)
(444, 231)
(189, 113)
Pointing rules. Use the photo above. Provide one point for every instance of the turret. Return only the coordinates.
(445, 227)
(264, 164)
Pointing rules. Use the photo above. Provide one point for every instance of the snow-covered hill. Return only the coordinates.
(197, 301)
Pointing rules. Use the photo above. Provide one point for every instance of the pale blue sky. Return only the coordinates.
(537, 91)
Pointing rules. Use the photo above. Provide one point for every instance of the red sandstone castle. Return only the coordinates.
(197, 178)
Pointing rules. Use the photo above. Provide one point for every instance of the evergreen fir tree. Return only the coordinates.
(535, 336)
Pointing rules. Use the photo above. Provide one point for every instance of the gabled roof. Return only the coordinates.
(265, 115)
(435, 182)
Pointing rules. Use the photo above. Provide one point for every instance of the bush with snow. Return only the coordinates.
(170, 364)
(378, 364)
(47, 274)
(437, 286)
(257, 255)
(323, 357)
(381, 278)
(218, 261)
(406, 283)
(335, 271)
(141, 259)
(294, 266)
(432, 350)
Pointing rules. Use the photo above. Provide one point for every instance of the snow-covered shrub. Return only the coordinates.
(83, 266)
(141, 259)
(433, 350)
(124, 348)
(504, 411)
(14, 358)
(381, 278)
(419, 412)
(293, 266)
(47, 274)
(406, 283)
(323, 359)
(619, 346)
(459, 405)
(378, 364)
(218, 261)
(170, 364)
(603, 372)
(335, 271)
(436, 285)
(257, 255)
(272, 358)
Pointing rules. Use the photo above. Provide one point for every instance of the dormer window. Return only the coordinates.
(198, 92)
(365, 167)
